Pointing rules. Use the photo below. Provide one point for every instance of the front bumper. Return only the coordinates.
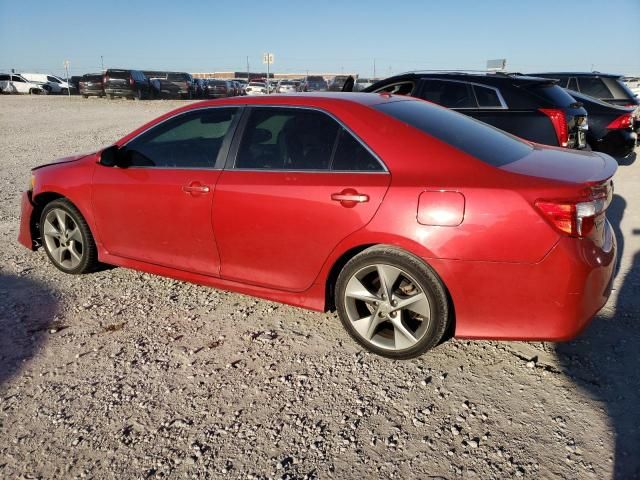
(25, 235)
(553, 299)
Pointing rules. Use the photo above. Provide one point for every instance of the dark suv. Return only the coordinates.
(125, 83)
(607, 87)
(532, 108)
(90, 84)
(314, 83)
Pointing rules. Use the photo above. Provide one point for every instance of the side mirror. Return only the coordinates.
(110, 157)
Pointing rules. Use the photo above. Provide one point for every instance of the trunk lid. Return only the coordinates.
(565, 165)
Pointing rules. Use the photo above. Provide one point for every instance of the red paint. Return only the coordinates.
(277, 235)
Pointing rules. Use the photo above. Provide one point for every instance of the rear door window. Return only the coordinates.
(618, 89)
(287, 139)
(449, 94)
(4, 78)
(16, 78)
(594, 86)
(480, 140)
(400, 88)
(52, 79)
(191, 140)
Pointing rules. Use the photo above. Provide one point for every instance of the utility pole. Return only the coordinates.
(66, 70)
(247, 68)
(102, 62)
(374, 68)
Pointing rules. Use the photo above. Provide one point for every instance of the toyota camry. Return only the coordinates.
(415, 223)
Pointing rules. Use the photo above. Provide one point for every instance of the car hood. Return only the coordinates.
(69, 159)
(564, 165)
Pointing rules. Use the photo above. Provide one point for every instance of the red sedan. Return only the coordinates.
(412, 221)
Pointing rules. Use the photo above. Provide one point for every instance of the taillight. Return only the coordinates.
(559, 122)
(576, 218)
(131, 81)
(105, 79)
(623, 121)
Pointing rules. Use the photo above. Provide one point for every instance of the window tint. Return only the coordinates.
(4, 78)
(594, 86)
(189, 141)
(573, 84)
(478, 139)
(52, 79)
(449, 94)
(351, 155)
(119, 74)
(403, 88)
(287, 139)
(553, 94)
(16, 78)
(487, 97)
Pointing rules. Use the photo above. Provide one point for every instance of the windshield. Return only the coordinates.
(476, 138)
(178, 77)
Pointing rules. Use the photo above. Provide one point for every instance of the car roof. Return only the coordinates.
(482, 77)
(312, 98)
(581, 74)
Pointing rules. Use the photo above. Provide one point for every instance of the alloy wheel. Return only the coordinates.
(387, 307)
(63, 239)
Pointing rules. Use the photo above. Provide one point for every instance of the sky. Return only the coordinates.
(320, 35)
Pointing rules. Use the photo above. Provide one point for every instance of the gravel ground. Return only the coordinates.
(121, 374)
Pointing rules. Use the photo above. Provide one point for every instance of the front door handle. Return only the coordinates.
(349, 197)
(195, 187)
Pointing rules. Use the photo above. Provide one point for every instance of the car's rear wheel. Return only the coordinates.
(67, 238)
(391, 302)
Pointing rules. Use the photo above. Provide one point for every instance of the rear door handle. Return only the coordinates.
(350, 197)
(195, 187)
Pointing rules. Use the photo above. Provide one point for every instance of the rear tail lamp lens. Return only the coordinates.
(559, 122)
(576, 218)
(623, 121)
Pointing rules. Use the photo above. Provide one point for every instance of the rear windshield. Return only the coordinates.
(478, 139)
(92, 78)
(256, 84)
(118, 74)
(553, 94)
(287, 83)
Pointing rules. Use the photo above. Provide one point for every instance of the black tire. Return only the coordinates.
(89, 255)
(423, 275)
(138, 95)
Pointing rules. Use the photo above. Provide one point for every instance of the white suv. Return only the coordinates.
(50, 83)
(14, 83)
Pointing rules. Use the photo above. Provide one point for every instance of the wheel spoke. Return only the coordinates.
(402, 336)
(417, 303)
(73, 252)
(62, 220)
(75, 235)
(50, 230)
(355, 289)
(56, 253)
(388, 276)
(364, 324)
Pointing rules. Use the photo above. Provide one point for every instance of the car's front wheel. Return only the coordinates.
(67, 238)
(391, 302)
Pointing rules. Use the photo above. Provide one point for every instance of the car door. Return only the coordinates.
(19, 84)
(156, 207)
(297, 183)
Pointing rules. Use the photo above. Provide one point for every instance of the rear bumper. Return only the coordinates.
(618, 143)
(25, 236)
(119, 92)
(551, 300)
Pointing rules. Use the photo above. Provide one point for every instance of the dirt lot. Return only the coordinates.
(121, 374)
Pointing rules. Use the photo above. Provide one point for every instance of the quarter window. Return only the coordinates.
(350, 155)
(4, 78)
(487, 97)
(573, 84)
(192, 140)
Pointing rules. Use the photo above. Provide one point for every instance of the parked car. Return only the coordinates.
(50, 83)
(610, 127)
(126, 83)
(633, 84)
(286, 86)
(410, 219)
(337, 83)
(217, 88)
(199, 86)
(172, 84)
(314, 83)
(14, 83)
(74, 82)
(242, 84)
(91, 85)
(362, 83)
(532, 108)
(256, 88)
(607, 87)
